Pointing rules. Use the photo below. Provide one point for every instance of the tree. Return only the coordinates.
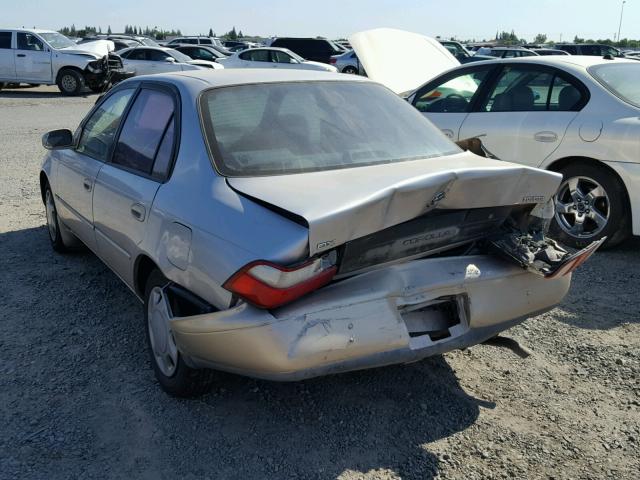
(540, 38)
(211, 32)
(232, 35)
(577, 39)
(240, 34)
(109, 30)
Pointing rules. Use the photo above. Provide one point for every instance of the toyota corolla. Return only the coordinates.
(290, 224)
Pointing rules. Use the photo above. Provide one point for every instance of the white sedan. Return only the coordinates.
(272, 58)
(579, 116)
(149, 60)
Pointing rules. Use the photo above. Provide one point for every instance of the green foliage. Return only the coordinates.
(540, 38)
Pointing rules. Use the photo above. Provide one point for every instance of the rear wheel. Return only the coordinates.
(70, 82)
(350, 70)
(174, 375)
(590, 204)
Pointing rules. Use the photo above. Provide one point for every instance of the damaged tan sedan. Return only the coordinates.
(290, 224)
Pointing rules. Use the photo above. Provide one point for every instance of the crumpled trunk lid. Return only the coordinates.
(401, 60)
(346, 204)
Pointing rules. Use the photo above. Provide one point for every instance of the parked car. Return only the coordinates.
(213, 197)
(118, 43)
(461, 53)
(506, 52)
(549, 51)
(200, 52)
(591, 49)
(194, 41)
(314, 49)
(346, 63)
(148, 60)
(122, 41)
(49, 58)
(575, 115)
(272, 58)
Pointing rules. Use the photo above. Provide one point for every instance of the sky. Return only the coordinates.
(463, 19)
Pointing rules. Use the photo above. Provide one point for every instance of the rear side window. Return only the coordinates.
(147, 123)
(5, 40)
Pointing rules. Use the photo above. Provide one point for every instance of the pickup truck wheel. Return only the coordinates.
(590, 204)
(174, 375)
(53, 226)
(70, 82)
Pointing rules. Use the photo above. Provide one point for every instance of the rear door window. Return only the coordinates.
(5, 40)
(522, 89)
(147, 124)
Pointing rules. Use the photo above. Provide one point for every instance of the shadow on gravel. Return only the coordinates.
(381, 419)
(80, 399)
(604, 290)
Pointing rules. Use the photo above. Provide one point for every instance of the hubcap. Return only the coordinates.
(163, 345)
(50, 208)
(582, 207)
(69, 83)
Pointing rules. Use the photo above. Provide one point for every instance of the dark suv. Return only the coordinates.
(316, 49)
(593, 49)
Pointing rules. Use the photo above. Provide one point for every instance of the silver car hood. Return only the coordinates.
(401, 60)
(342, 205)
(97, 48)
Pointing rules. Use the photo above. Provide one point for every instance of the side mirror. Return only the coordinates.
(57, 139)
(170, 60)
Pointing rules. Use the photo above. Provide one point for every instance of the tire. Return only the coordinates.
(350, 70)
(53, 225)
(591, 203)
(70, 82)
(174, 375)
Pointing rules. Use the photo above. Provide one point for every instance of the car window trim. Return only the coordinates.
(556, 72)
(172, 91)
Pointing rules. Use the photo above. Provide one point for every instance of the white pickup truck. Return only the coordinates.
(48, 57)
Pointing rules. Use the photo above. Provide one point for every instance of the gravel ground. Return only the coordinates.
(78, 398)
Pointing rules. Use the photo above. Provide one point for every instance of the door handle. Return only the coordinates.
(87, 184)
(546, 137)
(20, 55)
(138, 211)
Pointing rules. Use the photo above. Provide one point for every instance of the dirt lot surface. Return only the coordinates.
(78, 398)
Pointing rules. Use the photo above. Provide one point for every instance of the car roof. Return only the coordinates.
(208, 78)
(30, 30)
(582, 61)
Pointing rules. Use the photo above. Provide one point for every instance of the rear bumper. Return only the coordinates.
(365, 321)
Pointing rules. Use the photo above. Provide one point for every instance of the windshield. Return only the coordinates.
(57, 40)
(148, 42)
(282, 128)
(296, 56)
(620, 79)
(179, 56)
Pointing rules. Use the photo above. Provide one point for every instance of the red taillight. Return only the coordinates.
(268, 285)
(333, 61)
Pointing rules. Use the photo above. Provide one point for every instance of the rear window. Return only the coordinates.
(620, 79)
(283, 128)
